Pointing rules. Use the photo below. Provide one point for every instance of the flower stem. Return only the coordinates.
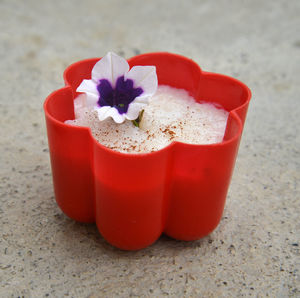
(138, 120)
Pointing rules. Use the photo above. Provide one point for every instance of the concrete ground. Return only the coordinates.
(255, 251)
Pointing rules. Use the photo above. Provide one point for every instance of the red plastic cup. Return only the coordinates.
(179, 190)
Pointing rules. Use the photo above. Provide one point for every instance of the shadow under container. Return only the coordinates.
(179, 190)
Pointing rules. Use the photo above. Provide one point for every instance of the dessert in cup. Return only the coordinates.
(145, 146)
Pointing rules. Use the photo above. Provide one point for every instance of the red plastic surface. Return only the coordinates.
(134, 198)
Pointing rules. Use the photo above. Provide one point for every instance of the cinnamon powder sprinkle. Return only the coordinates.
(172, 115)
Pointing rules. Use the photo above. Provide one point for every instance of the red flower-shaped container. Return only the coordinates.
(134, 198)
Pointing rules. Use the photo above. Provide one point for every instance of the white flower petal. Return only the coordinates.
(134, 110)
(107, 111)
(89, 87)
(85, 101)
(102, 112)
(118, 118)
(142, 99)
(144, 77)
(91, 100)
(110, 67)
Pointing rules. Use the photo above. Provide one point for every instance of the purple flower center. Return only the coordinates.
(120, 97)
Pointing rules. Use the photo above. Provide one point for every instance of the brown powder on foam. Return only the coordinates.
(171, 115)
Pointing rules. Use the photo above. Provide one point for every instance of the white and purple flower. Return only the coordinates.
(117, 92)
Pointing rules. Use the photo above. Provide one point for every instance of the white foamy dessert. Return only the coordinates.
(171, 115)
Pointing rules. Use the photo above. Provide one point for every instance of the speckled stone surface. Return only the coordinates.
(255, 251)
